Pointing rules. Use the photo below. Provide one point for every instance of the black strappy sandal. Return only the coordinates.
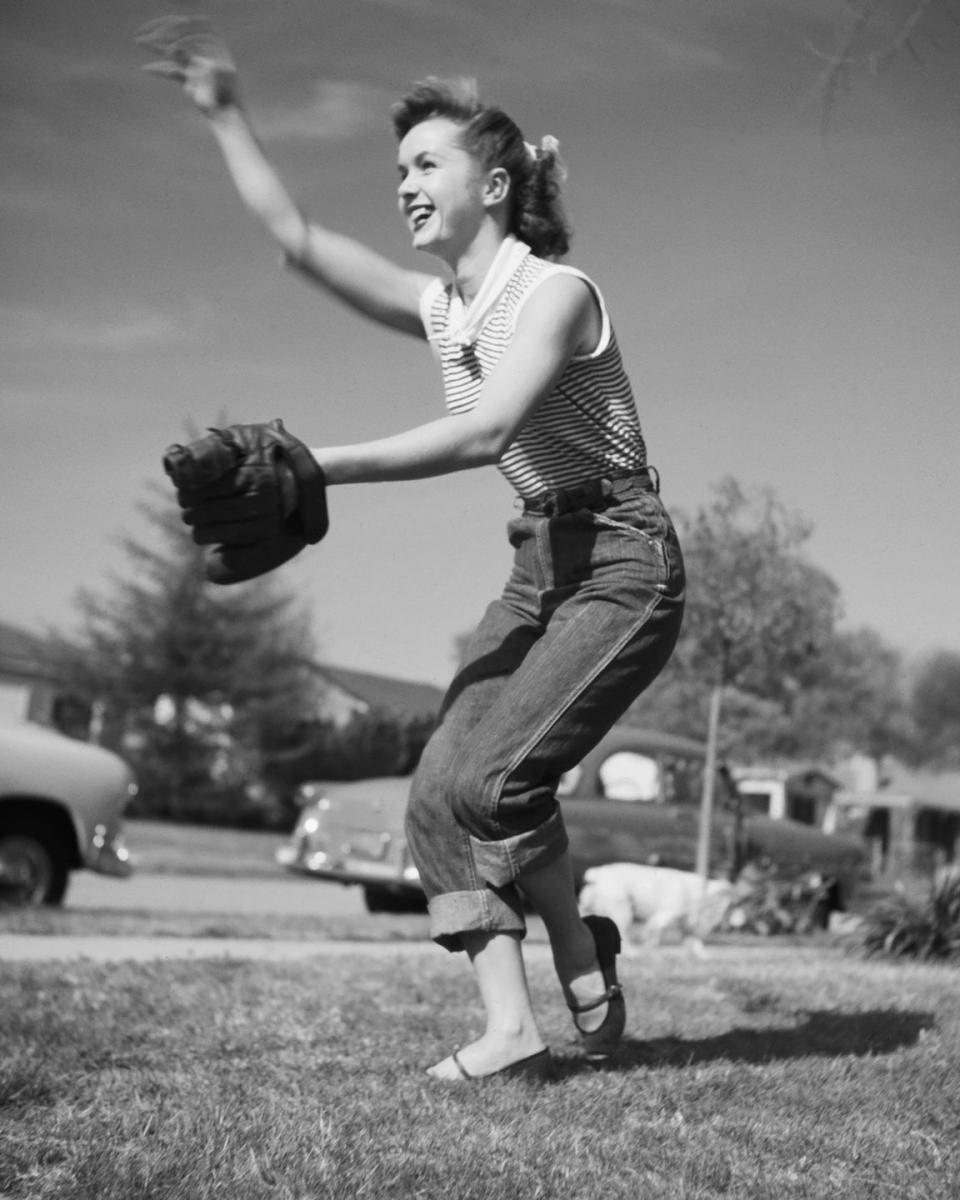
(600, 1043)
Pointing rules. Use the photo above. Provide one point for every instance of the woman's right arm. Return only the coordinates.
(194, 55)
(351, 271)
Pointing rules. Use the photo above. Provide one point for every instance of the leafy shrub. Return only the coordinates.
(374, 743)
(770, 904)
(901, 927)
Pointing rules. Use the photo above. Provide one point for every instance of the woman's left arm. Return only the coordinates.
(560, 319)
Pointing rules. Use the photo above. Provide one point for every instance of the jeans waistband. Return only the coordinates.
(592, 494)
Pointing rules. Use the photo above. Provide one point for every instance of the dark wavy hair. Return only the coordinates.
(536, 213)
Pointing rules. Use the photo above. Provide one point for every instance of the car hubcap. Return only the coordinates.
(24, 872)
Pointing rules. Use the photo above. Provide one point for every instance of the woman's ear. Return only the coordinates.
(498, 186)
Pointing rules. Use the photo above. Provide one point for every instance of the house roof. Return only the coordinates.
(938, 789)
(796, 773)
(403, 697)
(909, 789)
(26, 655)
(23, 654)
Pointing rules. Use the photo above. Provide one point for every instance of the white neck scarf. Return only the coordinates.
(464, 323)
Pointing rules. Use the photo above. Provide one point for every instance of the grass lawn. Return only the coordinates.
(767, 1071)
(363, 927)
(774, 1069)
(167, 848)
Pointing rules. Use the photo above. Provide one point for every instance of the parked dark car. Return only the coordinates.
(634, 798)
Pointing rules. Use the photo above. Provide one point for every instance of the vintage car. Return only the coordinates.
(61, 803)
(634, 798)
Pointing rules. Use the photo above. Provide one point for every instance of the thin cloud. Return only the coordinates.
(682, 54)
(27, 328)
(336, 111)
(418, 7)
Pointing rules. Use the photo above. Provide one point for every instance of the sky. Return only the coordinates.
(787, 300)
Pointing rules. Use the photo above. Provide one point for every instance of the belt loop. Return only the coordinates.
(655, 476)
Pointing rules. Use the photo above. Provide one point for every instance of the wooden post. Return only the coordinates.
(709, 780)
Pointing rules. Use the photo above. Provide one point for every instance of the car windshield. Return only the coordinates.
(630, 776)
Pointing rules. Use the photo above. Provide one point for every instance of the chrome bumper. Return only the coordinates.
(345, 868)
(107, 853)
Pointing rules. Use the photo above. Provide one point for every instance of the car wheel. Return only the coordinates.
(30, 873)
(383, 900)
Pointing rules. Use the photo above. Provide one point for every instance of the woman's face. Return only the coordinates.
(442, 189)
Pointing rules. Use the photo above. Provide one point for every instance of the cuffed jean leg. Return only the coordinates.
(588, 619)
(458, 898)
(575, 683)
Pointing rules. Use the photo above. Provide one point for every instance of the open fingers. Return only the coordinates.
(166, 70)
(165, 33)
(180, 40)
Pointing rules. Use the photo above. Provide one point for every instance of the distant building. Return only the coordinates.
(349, 693)
(29, 685)
(30, 688)
(800, 792)
(911, 819)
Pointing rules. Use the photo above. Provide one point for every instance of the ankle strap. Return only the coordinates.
(611, 993)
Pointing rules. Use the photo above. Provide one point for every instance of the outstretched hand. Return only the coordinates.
(193, 53)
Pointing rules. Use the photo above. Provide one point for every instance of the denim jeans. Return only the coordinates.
(589, 616)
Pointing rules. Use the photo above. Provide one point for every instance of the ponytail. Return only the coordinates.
(538, 214)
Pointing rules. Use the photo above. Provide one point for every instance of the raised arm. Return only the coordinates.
(191, 53)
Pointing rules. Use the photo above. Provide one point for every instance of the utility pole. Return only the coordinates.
(709, 781)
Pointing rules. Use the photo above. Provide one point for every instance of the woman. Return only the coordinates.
(590, 614)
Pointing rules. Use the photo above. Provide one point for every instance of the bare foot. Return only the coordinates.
(488, 1054)
(583, 987)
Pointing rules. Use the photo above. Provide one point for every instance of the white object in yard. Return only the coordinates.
(662, 898)
(627, 775)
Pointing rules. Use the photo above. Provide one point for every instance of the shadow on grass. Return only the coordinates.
(826, 1034)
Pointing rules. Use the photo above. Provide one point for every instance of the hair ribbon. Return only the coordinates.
(548, 145)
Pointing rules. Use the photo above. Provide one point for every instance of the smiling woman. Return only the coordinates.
(535, 384)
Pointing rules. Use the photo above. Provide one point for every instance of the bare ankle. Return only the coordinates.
(576, 956)
(509, 1030)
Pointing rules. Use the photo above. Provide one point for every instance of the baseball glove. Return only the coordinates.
(253, 494)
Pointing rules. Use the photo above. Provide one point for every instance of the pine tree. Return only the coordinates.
(197, 685)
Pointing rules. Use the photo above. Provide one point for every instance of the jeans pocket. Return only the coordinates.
(636, 548)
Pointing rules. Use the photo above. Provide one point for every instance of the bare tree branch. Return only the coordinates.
(852, 53)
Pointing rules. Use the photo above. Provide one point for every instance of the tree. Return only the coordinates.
(760, 619)
(936, 709)
(197, 685)
(859, 701)
(372, 743)
(758, 613)
(872, 34)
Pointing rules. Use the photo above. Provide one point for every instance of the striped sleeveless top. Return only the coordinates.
(586, 428)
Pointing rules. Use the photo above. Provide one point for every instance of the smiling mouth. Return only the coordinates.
(418, 217)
